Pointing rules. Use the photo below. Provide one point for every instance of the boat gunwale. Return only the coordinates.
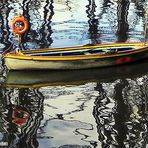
(22, 56)
(139, 44)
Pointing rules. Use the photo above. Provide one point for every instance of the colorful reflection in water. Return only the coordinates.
(81, 114)
(108, 113)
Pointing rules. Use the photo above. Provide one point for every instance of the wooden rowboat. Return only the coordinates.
(35, 79)
(81, 57)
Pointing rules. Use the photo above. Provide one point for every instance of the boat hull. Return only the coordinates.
(19, 61)
(40, 78)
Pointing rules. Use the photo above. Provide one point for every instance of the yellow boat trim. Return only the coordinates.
(84, 47)
(79, 57)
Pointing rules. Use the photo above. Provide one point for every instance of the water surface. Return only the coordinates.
(97, 108)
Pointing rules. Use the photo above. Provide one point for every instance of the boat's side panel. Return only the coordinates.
(17, 64)
(21, 64)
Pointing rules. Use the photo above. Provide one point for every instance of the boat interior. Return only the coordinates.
(80, 52)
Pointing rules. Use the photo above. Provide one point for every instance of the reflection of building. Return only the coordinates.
(21, 114)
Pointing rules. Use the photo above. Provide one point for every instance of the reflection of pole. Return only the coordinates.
(122, 12)
(46, 30)
(25, 13)
(93, 23)
(145, 27)
(5, 30)
(121, 114)
(103, 117)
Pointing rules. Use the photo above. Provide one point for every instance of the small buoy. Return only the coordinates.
(20, 25)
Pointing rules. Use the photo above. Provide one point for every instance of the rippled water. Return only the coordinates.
(97, 108)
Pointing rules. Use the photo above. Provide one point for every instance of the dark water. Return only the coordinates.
(97, 108)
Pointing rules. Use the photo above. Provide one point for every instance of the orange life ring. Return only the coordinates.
(20, 25)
